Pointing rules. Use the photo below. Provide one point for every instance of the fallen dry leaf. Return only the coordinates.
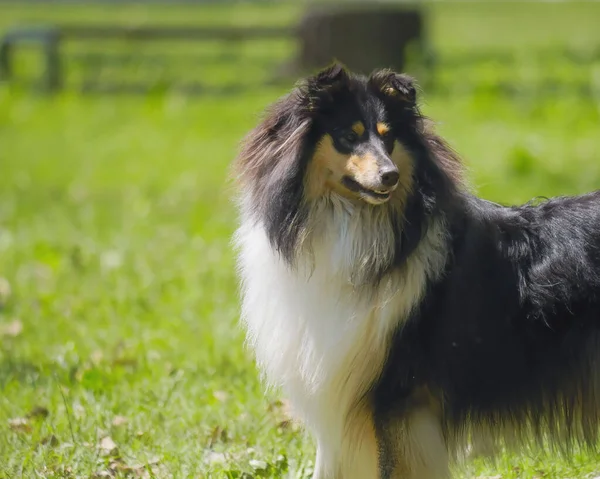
(221, 396)
(282, 410)
(96, 357)
(65, 471)
(119, 421)
(12, 329)
(38, 412)
(19, 424)
(215, 458)
(281, 407)
(258, 465)
(108, 446)
(287, 425)
(118, 465)
(100, 474)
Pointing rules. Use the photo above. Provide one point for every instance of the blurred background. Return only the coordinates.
(120, 354)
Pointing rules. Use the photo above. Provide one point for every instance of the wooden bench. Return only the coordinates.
(48, 39)
(363, 38)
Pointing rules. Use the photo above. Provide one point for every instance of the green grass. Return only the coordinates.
(115, 222)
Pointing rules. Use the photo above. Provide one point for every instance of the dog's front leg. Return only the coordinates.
(350, 452)
(411, 445)
(324, 466)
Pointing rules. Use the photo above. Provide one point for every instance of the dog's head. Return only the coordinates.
(358, 126)
(338, 135)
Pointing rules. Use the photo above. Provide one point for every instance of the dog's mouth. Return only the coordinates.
(370, 196)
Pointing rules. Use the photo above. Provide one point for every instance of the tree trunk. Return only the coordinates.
(362, 38)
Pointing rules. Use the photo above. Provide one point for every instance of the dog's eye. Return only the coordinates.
(350, 137)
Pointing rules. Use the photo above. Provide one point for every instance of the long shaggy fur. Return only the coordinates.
(403, 331)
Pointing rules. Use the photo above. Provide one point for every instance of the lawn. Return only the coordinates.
(120, 353)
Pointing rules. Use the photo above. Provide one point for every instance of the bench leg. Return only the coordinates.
(53, 73)
(5, 61)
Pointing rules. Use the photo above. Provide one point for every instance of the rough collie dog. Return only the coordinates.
(404, 317)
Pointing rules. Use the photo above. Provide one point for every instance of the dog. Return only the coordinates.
(405, 318)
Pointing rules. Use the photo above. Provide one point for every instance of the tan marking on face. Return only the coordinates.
(363, 168)
(326, 170)
(383, 128)
(358, 128)
(328, 166)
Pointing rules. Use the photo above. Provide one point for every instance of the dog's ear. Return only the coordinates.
(396, 86)
(335, 75)
(320, 88)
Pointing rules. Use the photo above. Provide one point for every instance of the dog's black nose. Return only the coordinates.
(390, 177)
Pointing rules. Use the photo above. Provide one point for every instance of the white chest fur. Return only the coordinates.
(324, 340)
